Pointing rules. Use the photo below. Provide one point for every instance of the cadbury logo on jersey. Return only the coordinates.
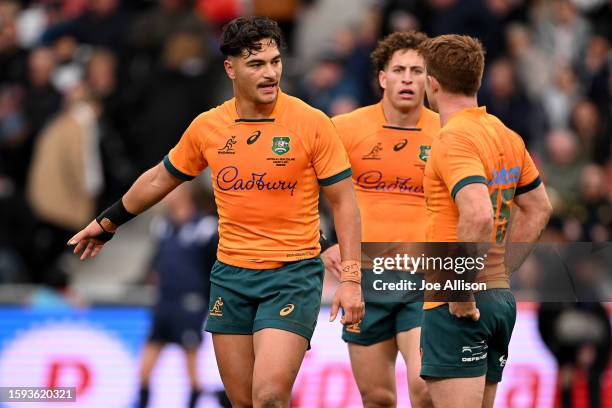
(228, 179)
(374, 180)
(504, 176)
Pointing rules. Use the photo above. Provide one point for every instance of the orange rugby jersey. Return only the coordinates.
(266, 175)
(388, 164)
(476, 147)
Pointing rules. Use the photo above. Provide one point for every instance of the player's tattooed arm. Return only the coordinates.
(527, 226)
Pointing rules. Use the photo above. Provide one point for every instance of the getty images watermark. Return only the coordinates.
(422, 264)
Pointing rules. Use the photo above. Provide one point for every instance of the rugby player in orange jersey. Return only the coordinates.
(477, 173)
(269, 154)
(388, 144)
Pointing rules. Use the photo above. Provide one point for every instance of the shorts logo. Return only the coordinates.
(374, 153)
(229, 146)
(216, 309)
(424, 152)
(502, 361)
(353, 328)
(281, 145)
(400, 145)
(285, 311)
(474, 353)
(253, 138)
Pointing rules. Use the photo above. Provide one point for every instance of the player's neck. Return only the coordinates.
(250, 109)
(396, 117)
(449, 104)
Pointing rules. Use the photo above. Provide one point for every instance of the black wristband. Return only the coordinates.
(116, 214)
(105, 236)
(324, 242)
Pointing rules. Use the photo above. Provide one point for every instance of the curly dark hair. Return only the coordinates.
(393, 42)
(243, 34)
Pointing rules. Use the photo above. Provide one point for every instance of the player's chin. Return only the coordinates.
(268, 96)
(407, 103)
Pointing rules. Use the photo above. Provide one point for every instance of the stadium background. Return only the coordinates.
(123, 79)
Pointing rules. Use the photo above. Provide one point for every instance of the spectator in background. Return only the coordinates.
(151, 29)
(284, 12)
(41, 102)
(184, 85)
(354, 47)
(561, 31)
(13, 58)
(404, 15)
(578, 335)
(562, 167)
(64, 179)
(590, 128)
(103, 24)
(504, 97)
(119, 171)
(330, 88)
(69, 69)
(560, 98)
(601, 17)
(531, 64)
(594, 210)
(186, 251)
(476, 18)
(594, 74)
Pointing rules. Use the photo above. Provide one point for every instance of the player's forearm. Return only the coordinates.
(525, 231)
(150, 188)
(475, 228)
(527, 226)
(348, 228)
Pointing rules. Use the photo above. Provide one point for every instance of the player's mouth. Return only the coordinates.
(268, 87)
(407, 94)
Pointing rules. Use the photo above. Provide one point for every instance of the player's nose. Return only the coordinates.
(270, 72)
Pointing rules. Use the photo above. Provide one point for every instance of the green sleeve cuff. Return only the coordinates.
(528, 187)
(465, 181)
(336, 178)
(174, 171)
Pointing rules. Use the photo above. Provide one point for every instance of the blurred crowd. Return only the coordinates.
(94, 92)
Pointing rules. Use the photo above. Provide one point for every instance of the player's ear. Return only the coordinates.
(228, 64)
(434, 85)
(382, 79)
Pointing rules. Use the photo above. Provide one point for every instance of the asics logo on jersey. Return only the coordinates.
(253, 138)
(502, 361)
(285, 311)
(374, 180)
(374, 153)
(229, 178)
(229, 146)
(505, 176)
(400, 145)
